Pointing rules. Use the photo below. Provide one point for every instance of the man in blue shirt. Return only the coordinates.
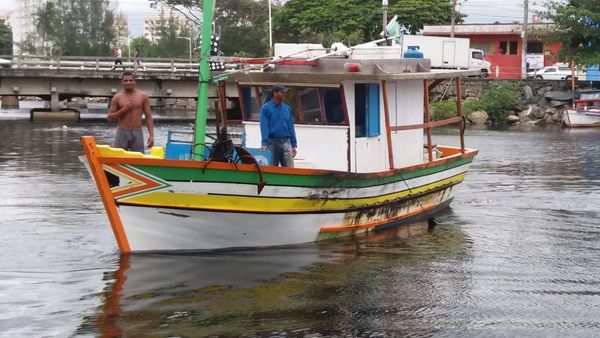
(277, 129)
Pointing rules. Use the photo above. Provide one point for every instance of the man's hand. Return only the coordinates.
(150, 142)
(294, 152)
(127, 107)
(263, 148)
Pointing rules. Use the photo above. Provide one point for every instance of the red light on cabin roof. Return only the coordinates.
(353, 68)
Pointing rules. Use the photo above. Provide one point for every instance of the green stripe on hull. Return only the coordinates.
(335, 179)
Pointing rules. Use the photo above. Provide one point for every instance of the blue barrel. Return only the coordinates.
(413, 52)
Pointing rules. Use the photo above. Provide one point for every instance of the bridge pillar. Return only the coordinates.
(54, 99)
(10, 102)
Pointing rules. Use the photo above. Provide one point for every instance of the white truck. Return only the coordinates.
(448, 52)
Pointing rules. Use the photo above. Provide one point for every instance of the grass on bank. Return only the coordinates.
(497, 100)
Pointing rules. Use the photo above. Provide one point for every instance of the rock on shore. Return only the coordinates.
(539, 102)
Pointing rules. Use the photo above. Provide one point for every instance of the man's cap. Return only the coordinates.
(279, 88)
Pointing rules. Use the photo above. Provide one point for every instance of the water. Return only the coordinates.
(516, 255)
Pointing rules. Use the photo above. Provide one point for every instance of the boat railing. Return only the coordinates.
(428, 124)
(179, 143)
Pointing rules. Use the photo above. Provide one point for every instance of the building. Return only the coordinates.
(502, 44)
(22, 21)
(121, 27)
(152, 24)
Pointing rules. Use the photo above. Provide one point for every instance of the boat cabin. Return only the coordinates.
(363, 112)
(589, 99)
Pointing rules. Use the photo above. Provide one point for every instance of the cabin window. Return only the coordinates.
(366, 96)
(250, 102)
(264, 94)
(291, 99)
(311, 109)
(333, 105)
(311, 105)
(234, 112)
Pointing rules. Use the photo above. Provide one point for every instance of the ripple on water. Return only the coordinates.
(516, 255)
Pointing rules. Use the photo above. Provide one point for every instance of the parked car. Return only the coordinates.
(551, 73)
(4, 63)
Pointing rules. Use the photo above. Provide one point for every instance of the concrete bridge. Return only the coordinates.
(56, 80)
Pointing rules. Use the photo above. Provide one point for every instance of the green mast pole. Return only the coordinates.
(203, 79)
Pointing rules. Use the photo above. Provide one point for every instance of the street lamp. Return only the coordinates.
(190, 41)
(129, 48)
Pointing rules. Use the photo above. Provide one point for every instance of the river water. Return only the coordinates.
(517, 254)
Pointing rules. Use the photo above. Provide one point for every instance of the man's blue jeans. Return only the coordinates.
(281, 152)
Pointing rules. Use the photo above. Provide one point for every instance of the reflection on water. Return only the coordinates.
(516, 255)
(354, 287)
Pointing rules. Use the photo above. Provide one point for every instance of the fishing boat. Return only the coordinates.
(586, 112)
(365, 161)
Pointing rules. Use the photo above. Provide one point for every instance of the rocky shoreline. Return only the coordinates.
(539, 102)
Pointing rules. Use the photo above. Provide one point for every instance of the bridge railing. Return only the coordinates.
(102, 63)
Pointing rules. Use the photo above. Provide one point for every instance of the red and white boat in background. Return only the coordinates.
(586, 112)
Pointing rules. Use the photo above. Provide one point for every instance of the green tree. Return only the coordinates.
(243, 24)
(47, 25)
(72, 27)
(5, 38)
(498, 99)
(86, 27)
(29, 44)
(144, 45)
(169, 44)
(577, 28)
(330, 20)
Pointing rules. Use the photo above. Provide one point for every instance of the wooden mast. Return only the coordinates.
(388, 130)
(427, 118)
(459, 114)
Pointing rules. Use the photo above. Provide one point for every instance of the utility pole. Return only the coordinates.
(453, 18)
(384, 6)
(524, 43)
(270, 32)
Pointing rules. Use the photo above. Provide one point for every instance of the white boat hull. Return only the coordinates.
(158, 229)
(166, 205)
(579, 119)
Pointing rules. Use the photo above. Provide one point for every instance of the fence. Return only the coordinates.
(101, 63)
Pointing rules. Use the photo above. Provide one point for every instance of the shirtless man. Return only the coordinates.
(127, 108)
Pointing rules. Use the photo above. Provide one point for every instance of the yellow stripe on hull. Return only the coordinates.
(274, 204)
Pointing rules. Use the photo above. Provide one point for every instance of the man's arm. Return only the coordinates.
(114, 113)
(293, 139)
(149, 121)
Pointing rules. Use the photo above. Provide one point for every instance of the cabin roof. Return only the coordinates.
(334, 71)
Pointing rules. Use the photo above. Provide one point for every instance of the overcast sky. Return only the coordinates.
(478, 11)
